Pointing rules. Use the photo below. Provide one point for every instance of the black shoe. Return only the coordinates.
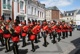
(24, 45)
(33, 50)
(28, 40)
(59, 39)
(67, 36)
(70, 35)
(44, 45)
(50, 37)
(7, 51)
(36, 42)
(53, 41)
(63, 37)
(39, 37)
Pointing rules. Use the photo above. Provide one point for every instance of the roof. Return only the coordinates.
(72, 11)
(52, 8)
(78, 12)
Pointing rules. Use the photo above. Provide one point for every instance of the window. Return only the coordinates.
(8, 5)
(42, 15)
(29, 7)
(71, 14)
(32, 10)
(21, 18)
(6, 16)
(17, 0)
(67, 14)
(35, 11)
(21, 5)
(4, 4)
(8, 1)
(4, 1)
(38, 13)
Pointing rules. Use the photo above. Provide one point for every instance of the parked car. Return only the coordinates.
(78, 27)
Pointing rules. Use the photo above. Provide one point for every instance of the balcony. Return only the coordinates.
(6, 6)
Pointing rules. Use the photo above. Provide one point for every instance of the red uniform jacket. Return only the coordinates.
(6, 32)
(24, 31)
(50, 30)
(35, 30)
(45, 28)
(54, 28)
(66, 28)
(39, 27)
(63, 28)
(17, 29)
(69, 28)
(1, 32)
(58, 29)
(15, 37)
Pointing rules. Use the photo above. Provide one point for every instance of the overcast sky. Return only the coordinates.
(63, 5)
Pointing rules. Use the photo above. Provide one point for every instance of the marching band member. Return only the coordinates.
(29, 28)
(24, 32)
(66, 29)
(39, 29)
(63, 30)
(59, 31)
(70, 30)
(15, 37)
(7, 35)
(50, 31)
(1, 32)
(54, 27)
(45, 32)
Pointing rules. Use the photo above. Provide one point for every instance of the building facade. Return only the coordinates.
(70, 15)
(48, 15)
(25, 9)
(78, 18)
(53, 13)
(35, 10)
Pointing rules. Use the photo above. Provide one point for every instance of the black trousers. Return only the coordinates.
(15, 48)
(7, 43)
(39, 35)
(63, 33)
(1, 39)
(29, 37)
(32, 43)
(54, 36)
(42, 33)
(66, 33)
(36, 39)
(24, 41)
(50, 35)
(70, 33)
(45, 42)
(59, 36)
